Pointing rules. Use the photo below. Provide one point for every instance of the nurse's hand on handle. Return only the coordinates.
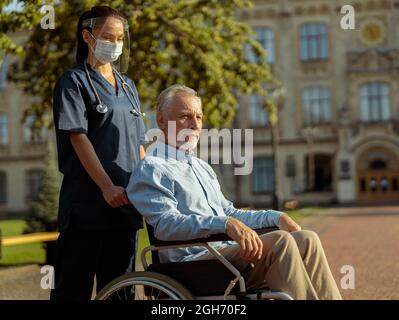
(114, 195)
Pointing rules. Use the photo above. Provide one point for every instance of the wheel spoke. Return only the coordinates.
(117, 292)
(143, 287)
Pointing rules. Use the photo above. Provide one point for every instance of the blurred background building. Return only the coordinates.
(22, 154)
(339, 117)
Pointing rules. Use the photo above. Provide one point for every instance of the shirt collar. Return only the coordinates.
(166, 151)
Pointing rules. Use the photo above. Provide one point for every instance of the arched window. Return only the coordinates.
(378, 164)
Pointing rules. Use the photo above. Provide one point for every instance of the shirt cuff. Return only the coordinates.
(274, 216)
(219, 224)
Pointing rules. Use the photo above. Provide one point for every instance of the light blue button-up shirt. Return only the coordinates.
(179, 196)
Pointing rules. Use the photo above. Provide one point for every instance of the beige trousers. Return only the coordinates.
(294, 263)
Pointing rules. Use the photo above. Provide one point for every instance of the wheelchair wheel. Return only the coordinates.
(144, 285)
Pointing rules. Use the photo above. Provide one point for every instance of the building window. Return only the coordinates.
(263, 175)
(257, 115)
(3, 187)
(314, 41)
(3, 129)
(265, 37)
(4, 72)
(374, 102)
(33, 183)
(34, 136)
(290, 166)
(316, 103)
(319, 173)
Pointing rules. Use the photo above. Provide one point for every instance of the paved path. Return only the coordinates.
(22, 283)
(366, 238)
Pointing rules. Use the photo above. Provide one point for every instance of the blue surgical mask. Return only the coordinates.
(106, 51)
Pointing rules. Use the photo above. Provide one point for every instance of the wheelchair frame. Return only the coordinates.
(243, 293)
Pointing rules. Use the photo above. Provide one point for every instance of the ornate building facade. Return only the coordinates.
(339, 117)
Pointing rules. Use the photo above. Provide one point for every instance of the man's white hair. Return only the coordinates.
(167, 95)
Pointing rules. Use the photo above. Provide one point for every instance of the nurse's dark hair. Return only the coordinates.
(95, 12)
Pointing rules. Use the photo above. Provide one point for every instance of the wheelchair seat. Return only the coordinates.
(203, 279)
(194, 274)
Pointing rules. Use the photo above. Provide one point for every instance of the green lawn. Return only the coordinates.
(19, 254)
(299, 214)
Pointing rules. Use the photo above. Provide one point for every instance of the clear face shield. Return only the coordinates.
(111, 40)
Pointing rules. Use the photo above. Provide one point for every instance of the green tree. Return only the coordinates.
(43, 211)
(196, 42)
(15, 21)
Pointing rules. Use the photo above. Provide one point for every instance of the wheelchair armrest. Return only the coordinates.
(212, 238)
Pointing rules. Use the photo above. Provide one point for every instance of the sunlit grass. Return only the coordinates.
(299, 214)
(19, 254)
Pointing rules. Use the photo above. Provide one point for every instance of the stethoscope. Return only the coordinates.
(103, 108)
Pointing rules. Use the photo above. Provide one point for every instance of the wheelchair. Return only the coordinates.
(214, 279)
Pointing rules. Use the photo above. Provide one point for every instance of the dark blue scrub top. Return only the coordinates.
(116, 137)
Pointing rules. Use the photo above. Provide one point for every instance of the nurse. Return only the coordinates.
(100, 133)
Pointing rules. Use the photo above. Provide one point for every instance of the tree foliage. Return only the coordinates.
(16, 21)
(199, 43)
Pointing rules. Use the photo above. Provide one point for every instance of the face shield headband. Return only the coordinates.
(108, 47)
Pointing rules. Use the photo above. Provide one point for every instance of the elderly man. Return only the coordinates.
(179, 195)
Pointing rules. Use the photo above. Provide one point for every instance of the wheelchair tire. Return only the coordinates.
(121, 287)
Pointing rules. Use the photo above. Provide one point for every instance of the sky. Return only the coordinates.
(13, 6)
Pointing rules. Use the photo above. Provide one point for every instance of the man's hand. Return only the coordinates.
(287, 224)
(251, 247)
(115, 196)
